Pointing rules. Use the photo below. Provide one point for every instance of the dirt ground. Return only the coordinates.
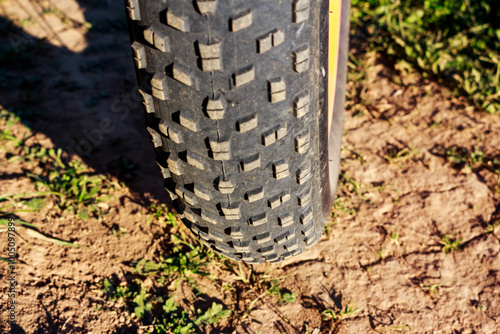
(418, 172)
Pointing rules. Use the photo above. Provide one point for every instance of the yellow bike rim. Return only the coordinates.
(335, 10)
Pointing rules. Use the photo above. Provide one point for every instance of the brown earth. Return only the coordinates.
(383, 253)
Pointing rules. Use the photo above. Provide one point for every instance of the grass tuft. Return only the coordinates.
(457, 42)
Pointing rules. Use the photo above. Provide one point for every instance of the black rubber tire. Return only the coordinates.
(233, 94)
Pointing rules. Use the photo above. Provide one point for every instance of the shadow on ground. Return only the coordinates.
(84, 102)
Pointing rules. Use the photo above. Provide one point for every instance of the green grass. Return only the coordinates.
(492, 227)
(162, 313)
(395, 238)
(455, 41)
(74, 188)
(284, 296)
(469, 159)
(155, 304)
(474, 159)
(77, 189)
(431, 289)
(401, 156)
(450, 244)
(331, 315)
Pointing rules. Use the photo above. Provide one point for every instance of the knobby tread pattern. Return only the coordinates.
(231, 93)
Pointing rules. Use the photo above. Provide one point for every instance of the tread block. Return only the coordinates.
(275, 259)
(212, 64)
(286, 220)
(298, 251)
(306, 218)
(251, 163)
(269, 40)
(133, 10)
(221, 149)
(178, 22)
(169, 186)
(188, 196)
(162, 42)
(149, 35)
(159, 86)
(195, 160)
(175, 165)
(210, 217)
(231, 211)
(308, 231)
(285, 197)
(156, 38)
(304, 173)
(301, 54)
(244, 76)
(188, 122)
(205, 237)
(163, 126)
(176, 135)
(277, 90)
(216, 108)
(272, 257)
(241, 21)
(237, 232)
(202, 192)
(304, 198)
(190, 215)
(268, 250)
(300, 11)
(185, 76)
(282, 238)
(195, 230)
(139, 55)
(301, 59)
(164, 171)
(226, 186)
(265, 43)
(241, 246)
(303, 143)
(310, 240)
(247, 123)
(179, 190)
(258, 220)
(234, 257)
(286, 255)
(210, 56)
(248, 258)
(281, 132)
(278, 37)
(301, 105)
(274, 202)
(291, 247)
(270, 136)
(280, 169)
(223, 247)
(263, 237)
(155, 137)
(255, 195)
(147, 102)
(206, 7)
(214, 235)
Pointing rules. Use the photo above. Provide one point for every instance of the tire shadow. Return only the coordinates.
(85, 102)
